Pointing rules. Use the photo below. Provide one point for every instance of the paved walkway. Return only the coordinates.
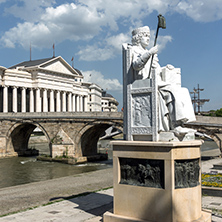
(88, 208)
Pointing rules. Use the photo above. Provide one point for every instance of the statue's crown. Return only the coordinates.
(141, 29)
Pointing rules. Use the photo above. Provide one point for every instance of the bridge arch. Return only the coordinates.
(89, 135)
(19, 134)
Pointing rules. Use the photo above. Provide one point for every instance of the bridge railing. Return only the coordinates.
(63, 115)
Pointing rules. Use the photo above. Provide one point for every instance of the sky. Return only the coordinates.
(93, 31)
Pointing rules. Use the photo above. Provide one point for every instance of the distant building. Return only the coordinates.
(109, 103)
(47, 85)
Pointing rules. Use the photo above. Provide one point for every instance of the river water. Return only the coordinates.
(21, 170)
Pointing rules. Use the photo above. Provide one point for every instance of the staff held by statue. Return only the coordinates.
(161, 24)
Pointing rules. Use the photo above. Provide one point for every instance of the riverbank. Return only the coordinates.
(17, 198)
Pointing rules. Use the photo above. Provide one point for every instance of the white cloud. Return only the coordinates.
(116, 41)
(201, 10)
(29, 10)
(104, 50)
(95, 53)
(81, 21)
(98, 78)
(113, 45)
(66, 21)
(162, 41)
(45, 23)
(16, 34)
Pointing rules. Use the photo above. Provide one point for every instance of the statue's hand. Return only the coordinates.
(149, 53)
(153, 50)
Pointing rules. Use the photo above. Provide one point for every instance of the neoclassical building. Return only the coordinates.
(47, 85)
(109, 103)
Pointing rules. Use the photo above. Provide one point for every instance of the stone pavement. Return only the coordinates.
(91, 207)
(87, 208)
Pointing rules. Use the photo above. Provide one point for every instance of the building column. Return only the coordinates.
(5, 99)
(86, 103)
(45, 100)
(64, 102)
(77, 103)
(70, 102)
(15, 99)
(58, 102)
(23, 99)
(52, 101)
(38, 101)
(31, 100)
(80, 103)
(73, 102)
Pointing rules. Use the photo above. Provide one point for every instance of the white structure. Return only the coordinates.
(47, 85)
(155, 106)
(109, 103)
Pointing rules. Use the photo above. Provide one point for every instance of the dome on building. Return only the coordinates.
(78, 72)
(105, 94)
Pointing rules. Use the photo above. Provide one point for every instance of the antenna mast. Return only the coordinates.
(197, 102)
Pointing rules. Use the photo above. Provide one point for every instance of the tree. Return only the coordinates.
(219, 112)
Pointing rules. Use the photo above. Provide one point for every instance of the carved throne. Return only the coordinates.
(139, 102)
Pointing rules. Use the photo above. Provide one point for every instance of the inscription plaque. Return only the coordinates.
(142, 172)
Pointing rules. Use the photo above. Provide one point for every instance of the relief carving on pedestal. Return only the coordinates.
(187, 173)
(142, 172)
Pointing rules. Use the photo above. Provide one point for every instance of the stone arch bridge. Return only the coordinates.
(75, 134)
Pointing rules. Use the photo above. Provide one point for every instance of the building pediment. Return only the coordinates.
(56, 64)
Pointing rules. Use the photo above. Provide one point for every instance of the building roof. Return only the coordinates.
(31, 63)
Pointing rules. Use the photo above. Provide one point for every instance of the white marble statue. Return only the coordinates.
(175, 107)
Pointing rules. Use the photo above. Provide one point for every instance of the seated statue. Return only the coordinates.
(174, 102)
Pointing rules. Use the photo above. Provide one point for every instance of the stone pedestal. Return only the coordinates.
(156, 182)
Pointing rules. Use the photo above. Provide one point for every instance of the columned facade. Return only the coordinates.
(47, 85)
(42, 100)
